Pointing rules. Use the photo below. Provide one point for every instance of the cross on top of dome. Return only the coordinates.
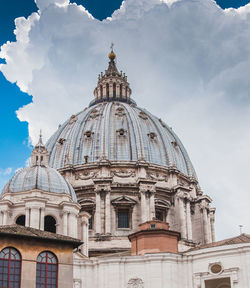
(112, 85)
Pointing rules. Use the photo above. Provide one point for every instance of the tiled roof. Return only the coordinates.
(18, 230)
(243, 238)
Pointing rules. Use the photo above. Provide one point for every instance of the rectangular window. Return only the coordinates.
(123, 219)
(220, 282)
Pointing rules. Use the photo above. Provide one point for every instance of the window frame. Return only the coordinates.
(9, 265)
(123, 210)
(46, 270)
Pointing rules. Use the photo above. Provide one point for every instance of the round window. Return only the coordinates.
(216, 268)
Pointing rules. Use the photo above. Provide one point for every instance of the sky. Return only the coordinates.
(187, 62)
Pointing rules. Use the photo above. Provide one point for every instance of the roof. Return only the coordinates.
(243, 238)
(21, 231)
(120, 132)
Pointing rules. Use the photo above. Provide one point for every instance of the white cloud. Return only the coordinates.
(4, 176)
(187, 61)
(6, 171)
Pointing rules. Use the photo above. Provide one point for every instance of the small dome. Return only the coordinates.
(39, 177)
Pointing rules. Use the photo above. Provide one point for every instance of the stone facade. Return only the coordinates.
(145, 191)
(168, 270)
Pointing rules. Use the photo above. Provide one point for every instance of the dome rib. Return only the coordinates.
(144, 136)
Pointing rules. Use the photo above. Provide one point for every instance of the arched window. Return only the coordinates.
(10, 268)
(50, 224)
(20, 220)
(46, 270)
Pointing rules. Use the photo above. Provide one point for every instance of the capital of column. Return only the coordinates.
(183, 195)
(84, 216)
(102, 188)
(143, 188)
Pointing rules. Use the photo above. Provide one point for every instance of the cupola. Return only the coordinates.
(112, 85)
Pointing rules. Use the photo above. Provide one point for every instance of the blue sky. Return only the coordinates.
(14, 136)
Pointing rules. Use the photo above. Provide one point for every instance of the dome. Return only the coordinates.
(119, 132)
(39, 177)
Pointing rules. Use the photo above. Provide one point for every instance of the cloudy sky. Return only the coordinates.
(187, 61)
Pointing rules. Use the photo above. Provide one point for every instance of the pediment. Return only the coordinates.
(162, 203)
(87, 203)
(123, 200)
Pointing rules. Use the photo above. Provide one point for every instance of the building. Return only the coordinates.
(107, 170)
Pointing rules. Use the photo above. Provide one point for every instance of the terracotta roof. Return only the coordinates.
(21, 231)
(243, 238)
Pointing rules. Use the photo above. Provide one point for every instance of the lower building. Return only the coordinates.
(33, 258)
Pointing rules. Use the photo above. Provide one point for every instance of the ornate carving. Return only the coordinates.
(123, 174)
(157, 177)
(174, 143)
(143, 115)
(77, 283)
(121, 132)
(72, 119)
(85, 175)
(180, 182)
(147, 188)
(135, 283)
(120, 112)
(123, 201)
(152, 135)
(183, 195)
(94, 114)
(61, 141)
(102, 188)
(88, 134)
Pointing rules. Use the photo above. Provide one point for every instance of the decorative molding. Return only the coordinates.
(120, 112)
(157, 177)
(73, 119)
(200, 277)
(88, 134)
(143, 115)
(77, 283)
(121, 132)
(160, 203)
(85, 175)
(123, 173)
(135, 283)
(102, 188)
(147, 188)
(152, 135)
(123, 201)
(94, 114)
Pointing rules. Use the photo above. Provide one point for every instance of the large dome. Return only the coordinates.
(39, 177)
(119, 132)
